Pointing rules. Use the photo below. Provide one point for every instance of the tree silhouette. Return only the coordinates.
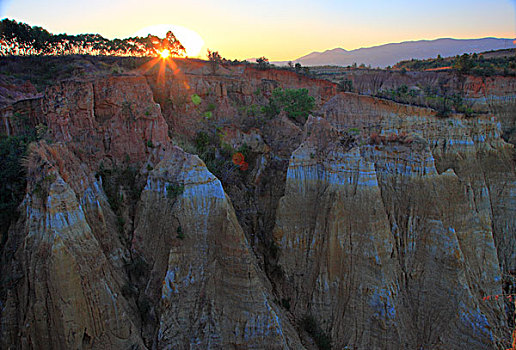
(263, 63)
(22, 39)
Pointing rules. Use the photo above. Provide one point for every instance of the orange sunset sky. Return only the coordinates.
(279, 30)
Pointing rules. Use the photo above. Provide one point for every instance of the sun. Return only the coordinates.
(191, 41)
(164, 54)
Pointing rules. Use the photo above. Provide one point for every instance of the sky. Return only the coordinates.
(276, 29)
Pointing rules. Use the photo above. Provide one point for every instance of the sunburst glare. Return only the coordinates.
(192, 41)
(164, 54)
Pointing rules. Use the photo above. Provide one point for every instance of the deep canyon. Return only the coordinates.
(371, 224)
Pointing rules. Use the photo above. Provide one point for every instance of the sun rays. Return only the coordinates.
(166, 64)
(191, 40)
(164, 54)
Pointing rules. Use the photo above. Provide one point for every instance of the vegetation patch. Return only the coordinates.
(225, 162)
(196, 99)
(475, 64)
(296, 103)
(443, 102)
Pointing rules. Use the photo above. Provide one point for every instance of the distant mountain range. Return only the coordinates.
(390, 54)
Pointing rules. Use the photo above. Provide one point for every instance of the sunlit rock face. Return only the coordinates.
(112, 117)
(445, 252)
(392, 243)
(64, 264)
(471, 147)
(204, 279)
(334, 239)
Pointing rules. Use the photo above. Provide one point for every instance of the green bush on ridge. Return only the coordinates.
(296, 103)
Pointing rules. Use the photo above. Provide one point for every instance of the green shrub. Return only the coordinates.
(295, 102)
(252, 110)
(217, 155)
(196, 99)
